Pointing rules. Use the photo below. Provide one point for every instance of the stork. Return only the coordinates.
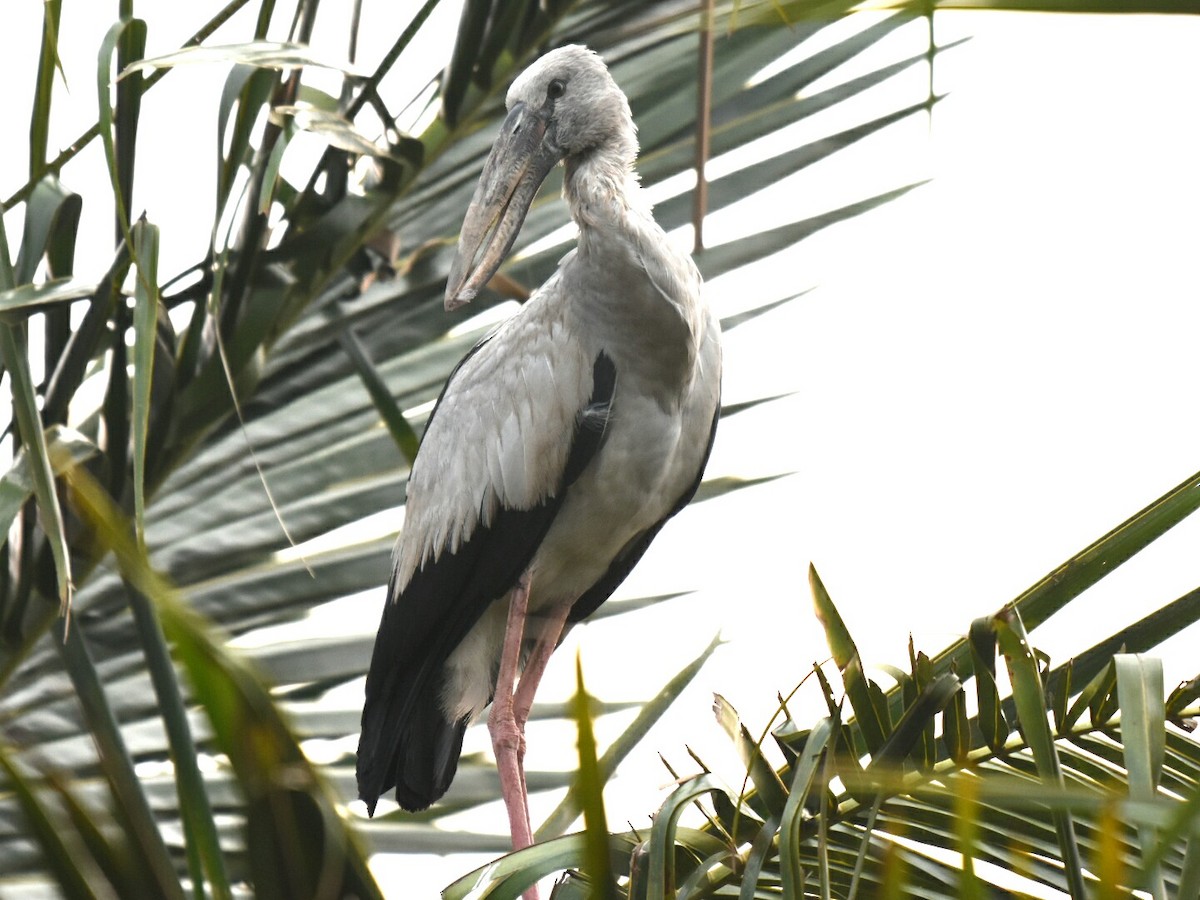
(559, 447)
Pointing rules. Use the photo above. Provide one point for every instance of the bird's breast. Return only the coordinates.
(649, 458)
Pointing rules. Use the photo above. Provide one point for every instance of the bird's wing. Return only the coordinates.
(517, 422)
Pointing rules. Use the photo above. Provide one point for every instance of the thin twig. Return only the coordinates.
(355, 21)
(703, 115)
(262, 476)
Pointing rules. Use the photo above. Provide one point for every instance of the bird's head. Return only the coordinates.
(566, 104)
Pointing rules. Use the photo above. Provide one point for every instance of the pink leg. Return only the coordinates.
(511, 705)
(547, 639)
(508, 739)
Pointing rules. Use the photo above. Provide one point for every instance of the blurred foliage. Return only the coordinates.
(1083, 777)
(174, 435)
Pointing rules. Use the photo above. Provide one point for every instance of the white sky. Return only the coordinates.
(988, 374)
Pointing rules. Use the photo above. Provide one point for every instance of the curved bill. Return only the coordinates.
(520, 160)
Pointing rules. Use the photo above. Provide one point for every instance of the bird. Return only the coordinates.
(559, 447)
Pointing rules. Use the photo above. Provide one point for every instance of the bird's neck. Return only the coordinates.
(617, 227)
(602, 189)
(620, 244)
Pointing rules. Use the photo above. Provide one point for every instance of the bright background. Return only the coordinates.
(983, 376)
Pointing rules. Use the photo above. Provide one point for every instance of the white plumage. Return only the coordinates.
(503, 444)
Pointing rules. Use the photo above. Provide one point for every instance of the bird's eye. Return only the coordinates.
(556, 89)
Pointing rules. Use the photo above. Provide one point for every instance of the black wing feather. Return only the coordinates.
(407, 741)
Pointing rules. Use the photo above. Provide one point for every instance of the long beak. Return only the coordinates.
(519, 162)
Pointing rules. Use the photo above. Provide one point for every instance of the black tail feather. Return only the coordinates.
(407, 740)
(416, 751)
(431, 758)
